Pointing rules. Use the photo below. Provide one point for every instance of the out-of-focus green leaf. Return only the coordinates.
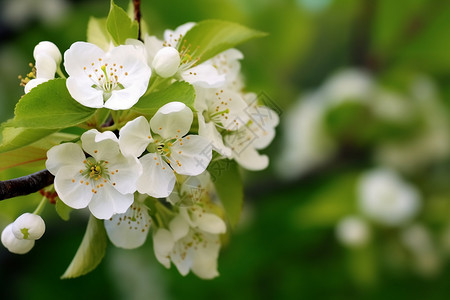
(97, 33)
(91, 251)
(178, 91)
(63, 210)
(210, 37)
(120, 26)
(12, 138)
(50, 106)
(229, 187)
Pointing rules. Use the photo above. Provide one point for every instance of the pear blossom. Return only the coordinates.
(129, 230)
(169, 148)
(115, 79)
(386, 198)
(166, 62)
(47, 57)
(219, 110)
(227, 63)
(191, 244)
(105, 181)
(29, 227)
(190, 190)
(13, 244)
(352, 231)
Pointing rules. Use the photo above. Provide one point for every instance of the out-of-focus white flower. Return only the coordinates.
(115, 79)
(48, 58)
(386, 198)
(29, 227)
(129, 230)
(166, 62)
(169, 148)
(352, 231)
(306, 144)
(191, 189)
(190, 247)
(13, 244)
(105, 181)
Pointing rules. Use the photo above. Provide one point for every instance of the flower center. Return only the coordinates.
(95, 169)
(106, 76)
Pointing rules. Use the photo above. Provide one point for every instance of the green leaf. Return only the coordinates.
(33, 154)
(228, 183)
(50, 106)
(63, 210)
(179, 91)
(91, 251)
(208, 38)
(13, 138)
(120, 26)
(98, 34)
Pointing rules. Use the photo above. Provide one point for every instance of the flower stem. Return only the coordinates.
(41, 206)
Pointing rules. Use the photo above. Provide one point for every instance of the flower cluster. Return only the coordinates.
(158, 117)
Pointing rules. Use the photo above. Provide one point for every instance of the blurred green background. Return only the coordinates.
(286, 246)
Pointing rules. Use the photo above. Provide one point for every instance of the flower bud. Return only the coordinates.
(13, 244)
(29, 227)
(47, 48)
(166, 62)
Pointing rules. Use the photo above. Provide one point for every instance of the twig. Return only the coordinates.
(137, 15)
(25, 185)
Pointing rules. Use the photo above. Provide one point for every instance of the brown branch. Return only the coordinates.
(137, 16)
(25, 185)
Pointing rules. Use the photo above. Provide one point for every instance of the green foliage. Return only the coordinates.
(63, 210)
(120, 26)
(91, 251)
(13, 138)
(208, 38)
(178, 91)
(97, 33)
(229, 187)
(50, 106)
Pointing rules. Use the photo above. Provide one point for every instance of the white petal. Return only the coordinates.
(205, 261)
(157, 179)
(129, 230)
(34, 83)
(211, 223)
(108, 201)
(152, 45)
(172, 120)
(83, 93)
(33, 225)
(72, 188)
(209, 131)
(125, 172)
(47, 48)
(249, 158)
(204, 75)
(68, 154)
(13, 244)
(80, 55)
(102, 146)
(162, 245)
(179, 227)
(191, 155)
(173, 37)
(45, 66)
(166, 62)
(134, 137)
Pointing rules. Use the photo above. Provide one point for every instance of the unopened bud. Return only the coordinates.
(166, 62)
(47, 48)
(29, 227)
(13, 244)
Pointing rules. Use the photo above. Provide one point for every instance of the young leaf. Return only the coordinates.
(120, 26)
(63, 210)
(98, 34)
(208, 38)
(91, 251)
(13, 138)
(229, 187)
(50, 106)
(179, 91)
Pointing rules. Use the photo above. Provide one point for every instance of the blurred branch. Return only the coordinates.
(137, 15)
(25, 185)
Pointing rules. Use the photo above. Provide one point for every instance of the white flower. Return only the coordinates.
(14, 244)
(48, 58)
(115, 79)
(191, 189)
(166, 62)
(352, 231)
(129, 230)
(190, 248)
(169, 148)
(28, 226)
(227, 63)
(219, 111)
(386, 198)
(105, 181)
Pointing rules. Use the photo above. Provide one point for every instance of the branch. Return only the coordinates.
(25, 185)
(137, 15)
